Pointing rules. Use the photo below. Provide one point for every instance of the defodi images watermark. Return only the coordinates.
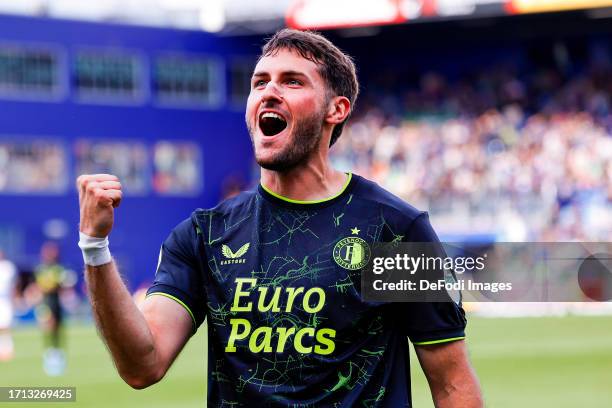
(503, 272)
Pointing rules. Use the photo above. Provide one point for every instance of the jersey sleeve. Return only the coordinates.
(428, 322)
(179, 271)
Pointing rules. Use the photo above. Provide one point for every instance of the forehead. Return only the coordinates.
(286, 60)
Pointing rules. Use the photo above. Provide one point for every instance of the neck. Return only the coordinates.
(314, 180)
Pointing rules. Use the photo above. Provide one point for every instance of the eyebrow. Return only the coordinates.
(284, 73)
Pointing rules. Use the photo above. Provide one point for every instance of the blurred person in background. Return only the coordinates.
(51, 281)
(8, 278)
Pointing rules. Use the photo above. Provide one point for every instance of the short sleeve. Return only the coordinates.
(179, 271)
(428, 322)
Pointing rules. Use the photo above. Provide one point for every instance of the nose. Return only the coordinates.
(271, 92)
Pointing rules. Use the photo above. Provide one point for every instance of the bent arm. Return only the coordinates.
(143, 343)
(452, 380)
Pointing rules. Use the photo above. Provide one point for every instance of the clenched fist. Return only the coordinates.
(99, 194)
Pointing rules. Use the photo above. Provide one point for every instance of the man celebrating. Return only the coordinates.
(277, 270)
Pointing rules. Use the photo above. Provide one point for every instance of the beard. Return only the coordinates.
(304, 140)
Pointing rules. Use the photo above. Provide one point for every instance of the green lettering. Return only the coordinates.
(273, 302)
(331, 345)
(292, 293)
(263, 345)
(235, 335)
(306, 300)
(283, 336)
(240, 293)
(299, 347)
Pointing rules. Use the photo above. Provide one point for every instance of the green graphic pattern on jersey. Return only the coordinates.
(280, 285)
(280, 233)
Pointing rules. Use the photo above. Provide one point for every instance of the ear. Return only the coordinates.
(338, 109)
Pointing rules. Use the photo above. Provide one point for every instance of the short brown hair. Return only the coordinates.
(335, 67)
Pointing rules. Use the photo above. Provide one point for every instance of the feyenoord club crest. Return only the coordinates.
(352, 253)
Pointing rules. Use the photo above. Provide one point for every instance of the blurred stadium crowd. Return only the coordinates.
(522, 156)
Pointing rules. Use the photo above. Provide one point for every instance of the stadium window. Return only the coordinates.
(177, 168)
(127, 160)
(108, 77)
(240, 81)
(35, 166)
(30, 72)
(182, 80)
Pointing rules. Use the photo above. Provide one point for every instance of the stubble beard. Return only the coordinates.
(303, 141)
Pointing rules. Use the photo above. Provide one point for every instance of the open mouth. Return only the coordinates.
(272, 123)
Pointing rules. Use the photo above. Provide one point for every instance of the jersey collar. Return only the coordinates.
(279, 199)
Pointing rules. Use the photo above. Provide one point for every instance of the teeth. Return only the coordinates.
(272, 115)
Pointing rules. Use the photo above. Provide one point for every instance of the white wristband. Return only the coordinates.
(95, 250)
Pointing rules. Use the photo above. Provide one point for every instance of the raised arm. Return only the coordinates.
(452, 380)
(143, 343)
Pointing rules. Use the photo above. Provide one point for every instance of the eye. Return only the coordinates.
(294, 82)
(258, 83)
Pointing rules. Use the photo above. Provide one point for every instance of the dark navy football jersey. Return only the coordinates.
(279, 282)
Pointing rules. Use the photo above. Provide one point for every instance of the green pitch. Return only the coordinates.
(536, 362)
